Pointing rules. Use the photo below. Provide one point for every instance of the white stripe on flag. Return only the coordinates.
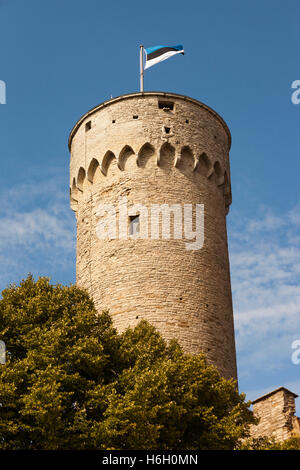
(160, 58)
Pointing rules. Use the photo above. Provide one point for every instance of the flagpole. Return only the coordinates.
(141, 69)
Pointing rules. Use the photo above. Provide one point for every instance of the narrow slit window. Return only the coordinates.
(88, 126)
(134, 224)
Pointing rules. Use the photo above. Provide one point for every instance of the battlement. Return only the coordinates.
(164, 105)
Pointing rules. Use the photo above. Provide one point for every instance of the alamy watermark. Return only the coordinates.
(295, 98)
(2, 92)
(296, 354)
(165, 221)
(2, 352)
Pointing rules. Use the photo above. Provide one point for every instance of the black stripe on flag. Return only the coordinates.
(161, 51)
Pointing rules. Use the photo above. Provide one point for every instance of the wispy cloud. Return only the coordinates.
(37, 231)
(265, 271)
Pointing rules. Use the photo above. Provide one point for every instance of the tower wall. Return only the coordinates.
(157, 148)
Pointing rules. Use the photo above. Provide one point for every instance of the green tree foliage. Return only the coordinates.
(72, 382)
(265, 443)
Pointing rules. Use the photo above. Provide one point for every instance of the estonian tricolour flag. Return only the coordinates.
(156, 54)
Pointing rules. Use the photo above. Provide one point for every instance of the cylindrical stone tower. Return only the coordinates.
(156, 150)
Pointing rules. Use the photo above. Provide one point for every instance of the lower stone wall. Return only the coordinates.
(276, 411)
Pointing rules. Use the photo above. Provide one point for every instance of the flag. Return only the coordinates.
(156, 54)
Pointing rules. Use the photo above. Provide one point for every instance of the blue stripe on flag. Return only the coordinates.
(179, 47)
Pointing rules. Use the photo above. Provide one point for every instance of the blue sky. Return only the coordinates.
(59, 59)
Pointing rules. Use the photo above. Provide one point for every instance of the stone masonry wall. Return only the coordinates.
(276, 411)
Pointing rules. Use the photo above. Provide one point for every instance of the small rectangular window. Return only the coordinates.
(134, 224)
(166, 105)
(88, 126)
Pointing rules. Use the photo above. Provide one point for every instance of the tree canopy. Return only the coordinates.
(71, 381)
(270, 443)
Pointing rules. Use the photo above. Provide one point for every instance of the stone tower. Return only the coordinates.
(156, 148)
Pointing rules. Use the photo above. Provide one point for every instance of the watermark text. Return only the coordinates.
(295, 98)
(155, 221)
(2, 92)
(296, 354)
